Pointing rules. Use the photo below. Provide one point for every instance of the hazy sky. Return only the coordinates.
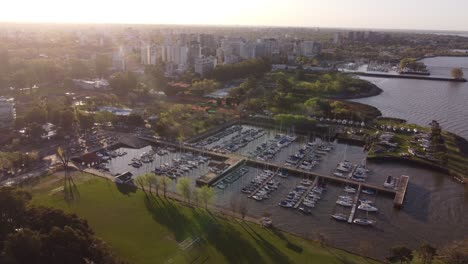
(393, 14)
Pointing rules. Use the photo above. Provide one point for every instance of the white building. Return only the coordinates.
(118, 60)
(175, 54)
(247, 50)
(204, 65)
(308, 49)
(7, 112)
(96, 84)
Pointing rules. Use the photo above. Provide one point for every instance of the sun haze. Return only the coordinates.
(416, 14)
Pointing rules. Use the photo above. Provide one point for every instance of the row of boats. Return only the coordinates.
(303, 193)
(346, 169)
(181, 165)
(261, 186)
(309, 155)
(232, 177)
(238, 141)
(218, 136)
(269, 149)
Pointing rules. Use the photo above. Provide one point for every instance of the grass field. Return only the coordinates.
(146, 229)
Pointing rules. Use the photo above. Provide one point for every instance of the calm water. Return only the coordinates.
(420, 101)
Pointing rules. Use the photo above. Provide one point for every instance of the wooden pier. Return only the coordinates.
(355, 204)
(401, 191)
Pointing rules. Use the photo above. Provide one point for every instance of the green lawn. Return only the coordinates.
(145, 229)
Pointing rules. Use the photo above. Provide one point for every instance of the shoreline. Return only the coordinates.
(375, 90)
(412, 77)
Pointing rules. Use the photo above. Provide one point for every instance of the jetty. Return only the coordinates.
(263, 184)
(355, 204)
(410, 76)
(401, 191)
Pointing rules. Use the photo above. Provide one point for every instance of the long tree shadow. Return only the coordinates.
(267, 246)
(168, 214)
(70, 190)
(223, 235)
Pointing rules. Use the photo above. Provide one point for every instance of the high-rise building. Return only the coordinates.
(308, 48)
(204, 65)
(150, 54)
(247, 50)
(118, 60)
(7, 112)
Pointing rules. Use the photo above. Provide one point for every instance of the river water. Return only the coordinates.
(421, 101)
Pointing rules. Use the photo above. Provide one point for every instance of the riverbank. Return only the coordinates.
(374, 91)
(407, 76)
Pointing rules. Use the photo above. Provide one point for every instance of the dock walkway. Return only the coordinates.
(355, 204)
(263, 184)
(401, 191)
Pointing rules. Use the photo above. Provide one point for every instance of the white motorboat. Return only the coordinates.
(344, 203)
(363, 221)
(389, 182)
(367, 207)
(349, 189)
(339, 217)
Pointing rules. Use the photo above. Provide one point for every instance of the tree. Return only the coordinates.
(243, 208)
(457, 73)
(455, 252)
(141, 182)
(35, 131)
(12, 207)
(101, 64)
(69, 187)
(153, 182)
(123, 83)
(23, 247)
(164, 181)
(426, 253)
(86, 121)
(401, 254)
(184, 188)
(205, 194)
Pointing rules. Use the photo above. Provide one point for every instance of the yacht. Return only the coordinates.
(350, 189)
(367, 207)
(363, 221)
(344, 203)
(389, 182)
(339, 174)
(339, 217)
(368, 191)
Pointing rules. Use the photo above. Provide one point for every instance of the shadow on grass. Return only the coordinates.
(168, 214)
(126, 189)
(212, 230)
(273, 252)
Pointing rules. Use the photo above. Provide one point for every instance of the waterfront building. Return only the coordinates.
(7, 112)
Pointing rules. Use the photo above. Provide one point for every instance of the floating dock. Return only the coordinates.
(401, 191)
(355, 204)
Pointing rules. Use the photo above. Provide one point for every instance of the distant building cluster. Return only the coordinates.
(350, 36)
(7, 112)
(203, 52)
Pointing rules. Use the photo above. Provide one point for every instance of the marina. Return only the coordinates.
(309, 208)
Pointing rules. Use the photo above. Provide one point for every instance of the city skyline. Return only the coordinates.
(414, 15)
